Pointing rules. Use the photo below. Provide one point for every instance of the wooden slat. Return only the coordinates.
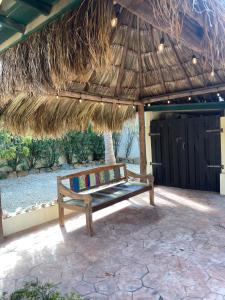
(140, 75)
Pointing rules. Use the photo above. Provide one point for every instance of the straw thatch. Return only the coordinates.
(82, 53)
(46, 116)
(67, 49)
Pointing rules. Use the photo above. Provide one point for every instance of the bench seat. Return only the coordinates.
(97, 188)
(108, 194)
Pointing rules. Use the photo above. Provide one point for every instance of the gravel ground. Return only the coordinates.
(20, 193)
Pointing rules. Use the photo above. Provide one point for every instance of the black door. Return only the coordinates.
(186, 152)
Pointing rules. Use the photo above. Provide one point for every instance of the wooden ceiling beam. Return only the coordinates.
(11, 24)
(192, 32)
(90, 97)
(40, 6)
(184, 94)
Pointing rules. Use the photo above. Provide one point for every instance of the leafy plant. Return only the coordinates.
(51, 152)
(14, 148)
(36, 290)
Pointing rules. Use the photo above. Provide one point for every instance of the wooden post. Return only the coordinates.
(142, 144)
(1, 225)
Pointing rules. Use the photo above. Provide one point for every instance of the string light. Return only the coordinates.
(168, 101)
(218, 94)
(57, 96)
(80, 100)
(149, 105)
(119, 105)
(114, 22)
(162, 44)
(189, 98)
(212, 74)
(194, 60)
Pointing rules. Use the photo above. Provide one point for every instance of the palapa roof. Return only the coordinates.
(82, 56)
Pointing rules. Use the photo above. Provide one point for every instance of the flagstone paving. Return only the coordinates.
(173, 251)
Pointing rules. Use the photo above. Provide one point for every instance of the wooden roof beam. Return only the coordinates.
(192, 32)
(40, 6)
(187, 93)
(140, 75)
(11, 24)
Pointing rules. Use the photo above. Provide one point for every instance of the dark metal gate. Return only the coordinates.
(186, 152)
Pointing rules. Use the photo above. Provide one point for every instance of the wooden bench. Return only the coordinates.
(94, 189)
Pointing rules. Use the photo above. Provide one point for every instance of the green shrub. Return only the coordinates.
(38, 291)
(14, 149)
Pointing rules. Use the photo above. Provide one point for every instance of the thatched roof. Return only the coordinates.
(81, 53)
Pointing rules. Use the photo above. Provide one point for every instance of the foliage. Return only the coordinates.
(38, 291)
(27, 151)
(14, 148)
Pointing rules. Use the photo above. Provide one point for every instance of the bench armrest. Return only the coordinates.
(66, 192)
(149, 177)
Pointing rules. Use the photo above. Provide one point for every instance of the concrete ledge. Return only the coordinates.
(222, 184)
(31, 219)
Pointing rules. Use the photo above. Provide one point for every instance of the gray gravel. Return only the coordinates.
(20, 193)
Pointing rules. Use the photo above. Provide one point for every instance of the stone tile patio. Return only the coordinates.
(173, 251)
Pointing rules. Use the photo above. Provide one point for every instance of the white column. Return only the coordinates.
(222, 175)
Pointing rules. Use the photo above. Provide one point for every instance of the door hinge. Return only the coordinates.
(218, 130)
(155, 164)
(154, 134)
(216, 166)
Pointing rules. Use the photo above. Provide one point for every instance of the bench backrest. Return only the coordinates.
(96, 177)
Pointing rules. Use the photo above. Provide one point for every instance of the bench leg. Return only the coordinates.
(151, 196)
(61, 214)
(89, 221)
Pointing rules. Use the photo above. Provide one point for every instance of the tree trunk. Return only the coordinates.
(109, 151)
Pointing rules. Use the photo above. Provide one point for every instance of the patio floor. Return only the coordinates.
(173, 251)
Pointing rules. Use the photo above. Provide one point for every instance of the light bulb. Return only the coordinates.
(189, 98)
(114, 22)
(212, 74)
(133, 106)
(218, 94)
(194, 60)
(168, 101)
(162, 44)
(57, 97)
(80, 100)
(149, 104)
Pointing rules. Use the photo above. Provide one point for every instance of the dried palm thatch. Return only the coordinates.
(210, 13)
(65, 50)
(48, 116)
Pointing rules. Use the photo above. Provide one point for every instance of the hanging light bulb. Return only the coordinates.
(189, 98)
(133, 106)
(161, 44)
(102, 103)
(194, 60)
(119, 105)
(149, 105)
(114, 22)
(168, 101)
(212, 74)
(218, 94)
(80, 100)
(57, 96)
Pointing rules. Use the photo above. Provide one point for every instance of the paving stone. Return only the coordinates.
(216, 286)
(133, 271)
(84, 288)
(121, 295)
(129, 285)
(106, 287)
(146, 294)
(212, 296)
(96, 296)
(217, 271)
